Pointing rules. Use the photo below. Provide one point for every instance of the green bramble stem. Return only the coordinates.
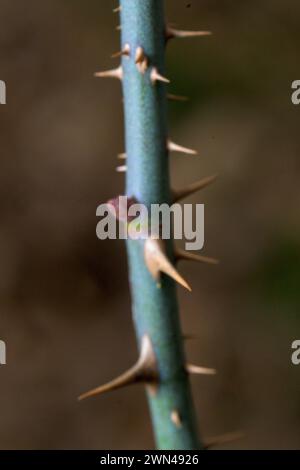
(155, 309)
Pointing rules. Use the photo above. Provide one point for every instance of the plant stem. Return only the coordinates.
(155, 309)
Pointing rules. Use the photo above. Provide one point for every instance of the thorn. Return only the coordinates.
(176, 418)
(139, 55)
(115, 55)
(121, 169)
(223, 439)
(186, 255)
(119, 28)
(172, 147)
(114, 73)
(172, 97)
(117, 10)
(141, 60)
(122, 156)
(157, 262)
(177, 33)
(198, 370)
(192, 188)
(156, 77)
(145, 370)
(124, 52)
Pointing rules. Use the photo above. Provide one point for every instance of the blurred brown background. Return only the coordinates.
(64, 300)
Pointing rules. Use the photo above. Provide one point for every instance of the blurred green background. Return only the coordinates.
(64, 298)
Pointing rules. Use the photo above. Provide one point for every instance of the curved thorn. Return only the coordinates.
(186, 255)
(145, 370)
(172, 147)
(198, 370)
(114, 73)
(172, 97)
(139, 55)
(117, 10)
(128, 378)
(121, 169)
(176, 418)
(157, 262)
(156, 77)
(177, 33)
(192, 188)
(223, 439)
(141, 60)
(115, 55)
(122, 156)
(124, 52)
(119, 28)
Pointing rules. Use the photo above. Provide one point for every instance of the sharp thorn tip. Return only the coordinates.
(157, 262)
(172, 147)
(145, 370)
(114, 73)
(188, 256)
(198, 370)
(177, 33)
(157, 77)
(124, 52)
(192, 188)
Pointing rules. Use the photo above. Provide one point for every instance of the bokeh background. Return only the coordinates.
(64, 297)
